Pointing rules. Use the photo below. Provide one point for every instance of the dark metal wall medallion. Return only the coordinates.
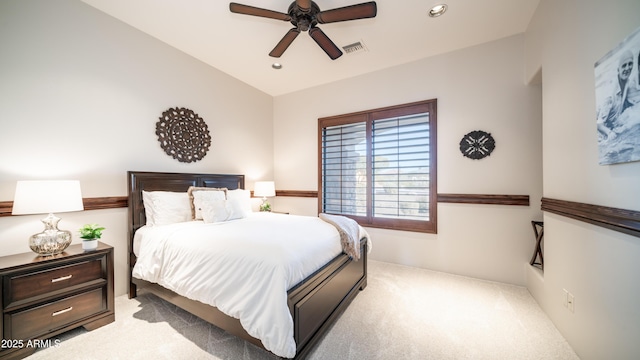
(477, 145)
(183, 135)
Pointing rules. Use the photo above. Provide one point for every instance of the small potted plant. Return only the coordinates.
(265, 207)
(90, 233)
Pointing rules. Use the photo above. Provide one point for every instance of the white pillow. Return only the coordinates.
(239, 204)
(214, 211)
(166, 207)
(147, 200)
(195, 213)
(236, 206)
(202, 197)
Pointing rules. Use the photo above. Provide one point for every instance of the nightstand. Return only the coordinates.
(46, 296)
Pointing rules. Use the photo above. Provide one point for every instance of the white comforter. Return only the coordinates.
(242, 267)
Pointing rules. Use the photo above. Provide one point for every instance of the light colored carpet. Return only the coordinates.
(404, 313)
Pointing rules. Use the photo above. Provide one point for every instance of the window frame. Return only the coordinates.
(368, 117)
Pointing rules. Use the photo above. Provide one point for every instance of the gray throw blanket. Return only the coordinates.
(349, 231)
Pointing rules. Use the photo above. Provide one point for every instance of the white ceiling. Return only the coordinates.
(239, 44)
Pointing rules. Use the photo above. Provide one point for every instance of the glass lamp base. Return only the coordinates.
(51, 241)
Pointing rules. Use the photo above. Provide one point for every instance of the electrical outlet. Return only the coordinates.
(570, 302)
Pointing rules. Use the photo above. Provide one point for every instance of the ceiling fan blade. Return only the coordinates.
(254, 11)
(284, 43)
(352, 12)
(325, 43)
(304, 5)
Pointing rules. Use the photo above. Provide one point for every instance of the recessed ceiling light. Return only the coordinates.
(438, 10)
(276, 66)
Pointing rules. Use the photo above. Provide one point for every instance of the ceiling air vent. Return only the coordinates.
(354, 48)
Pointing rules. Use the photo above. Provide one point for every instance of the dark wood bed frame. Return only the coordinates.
(315, 303)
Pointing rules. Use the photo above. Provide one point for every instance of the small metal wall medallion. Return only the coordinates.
(477, 145)
(183, 135)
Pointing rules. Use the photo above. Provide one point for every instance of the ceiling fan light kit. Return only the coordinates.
(305, 15)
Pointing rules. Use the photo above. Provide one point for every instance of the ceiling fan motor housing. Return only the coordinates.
(303, 20)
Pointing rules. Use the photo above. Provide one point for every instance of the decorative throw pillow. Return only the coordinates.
(239, 203)
(166, 207)
(197, 196)
(236, 206)
(214, 211)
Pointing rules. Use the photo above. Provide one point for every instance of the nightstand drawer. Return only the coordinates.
(41, 320)
(33, 284)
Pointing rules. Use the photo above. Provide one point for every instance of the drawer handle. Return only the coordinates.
(60, 312)
(62, 278)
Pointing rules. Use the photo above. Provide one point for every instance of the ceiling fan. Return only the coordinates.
(305, 15)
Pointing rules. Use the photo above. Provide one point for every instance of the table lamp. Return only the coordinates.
(264, 189)
(48, 196)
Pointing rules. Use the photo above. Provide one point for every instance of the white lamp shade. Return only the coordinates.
(47, 196)
(264, 188)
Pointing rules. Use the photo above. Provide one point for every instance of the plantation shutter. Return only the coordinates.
(344, 169)
(400, 167)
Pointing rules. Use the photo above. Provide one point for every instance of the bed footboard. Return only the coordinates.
(316, 303)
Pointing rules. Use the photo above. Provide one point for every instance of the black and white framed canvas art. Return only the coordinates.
(617, 79)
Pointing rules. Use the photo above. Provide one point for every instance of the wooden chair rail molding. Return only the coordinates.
(622, 220)
(297, 193)
(114, 202)
(110, 202)
(518, 200)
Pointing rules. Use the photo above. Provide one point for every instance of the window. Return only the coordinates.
(379, 166)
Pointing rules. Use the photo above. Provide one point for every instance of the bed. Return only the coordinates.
(314, 303)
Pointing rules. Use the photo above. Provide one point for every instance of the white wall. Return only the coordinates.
(80, 96)
(479, 88)
(599, 267)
